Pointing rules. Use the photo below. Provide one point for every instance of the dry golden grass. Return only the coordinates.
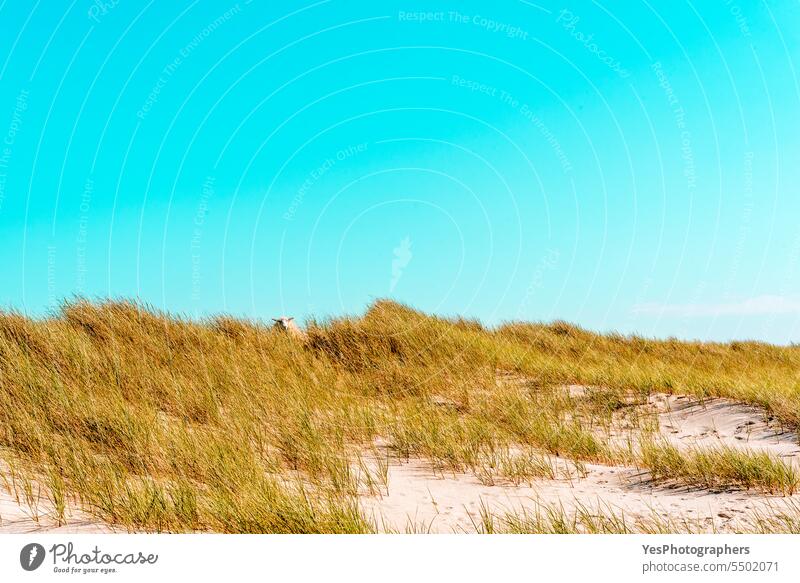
(555, 518)
(159, 423)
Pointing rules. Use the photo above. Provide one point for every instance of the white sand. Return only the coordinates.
(19, 517)
(723, 422)
(417, 499)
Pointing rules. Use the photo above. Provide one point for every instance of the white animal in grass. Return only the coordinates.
(287, 325)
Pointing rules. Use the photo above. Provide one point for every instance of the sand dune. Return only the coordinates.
(686, 422)
(419, 499)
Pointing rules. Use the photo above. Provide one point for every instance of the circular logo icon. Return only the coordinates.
(31, 556)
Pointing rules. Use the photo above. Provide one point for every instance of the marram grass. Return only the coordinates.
(155, 422)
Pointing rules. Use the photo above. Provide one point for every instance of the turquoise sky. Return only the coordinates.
(627, 166)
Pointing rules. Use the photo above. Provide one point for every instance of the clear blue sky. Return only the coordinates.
(627, 166)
